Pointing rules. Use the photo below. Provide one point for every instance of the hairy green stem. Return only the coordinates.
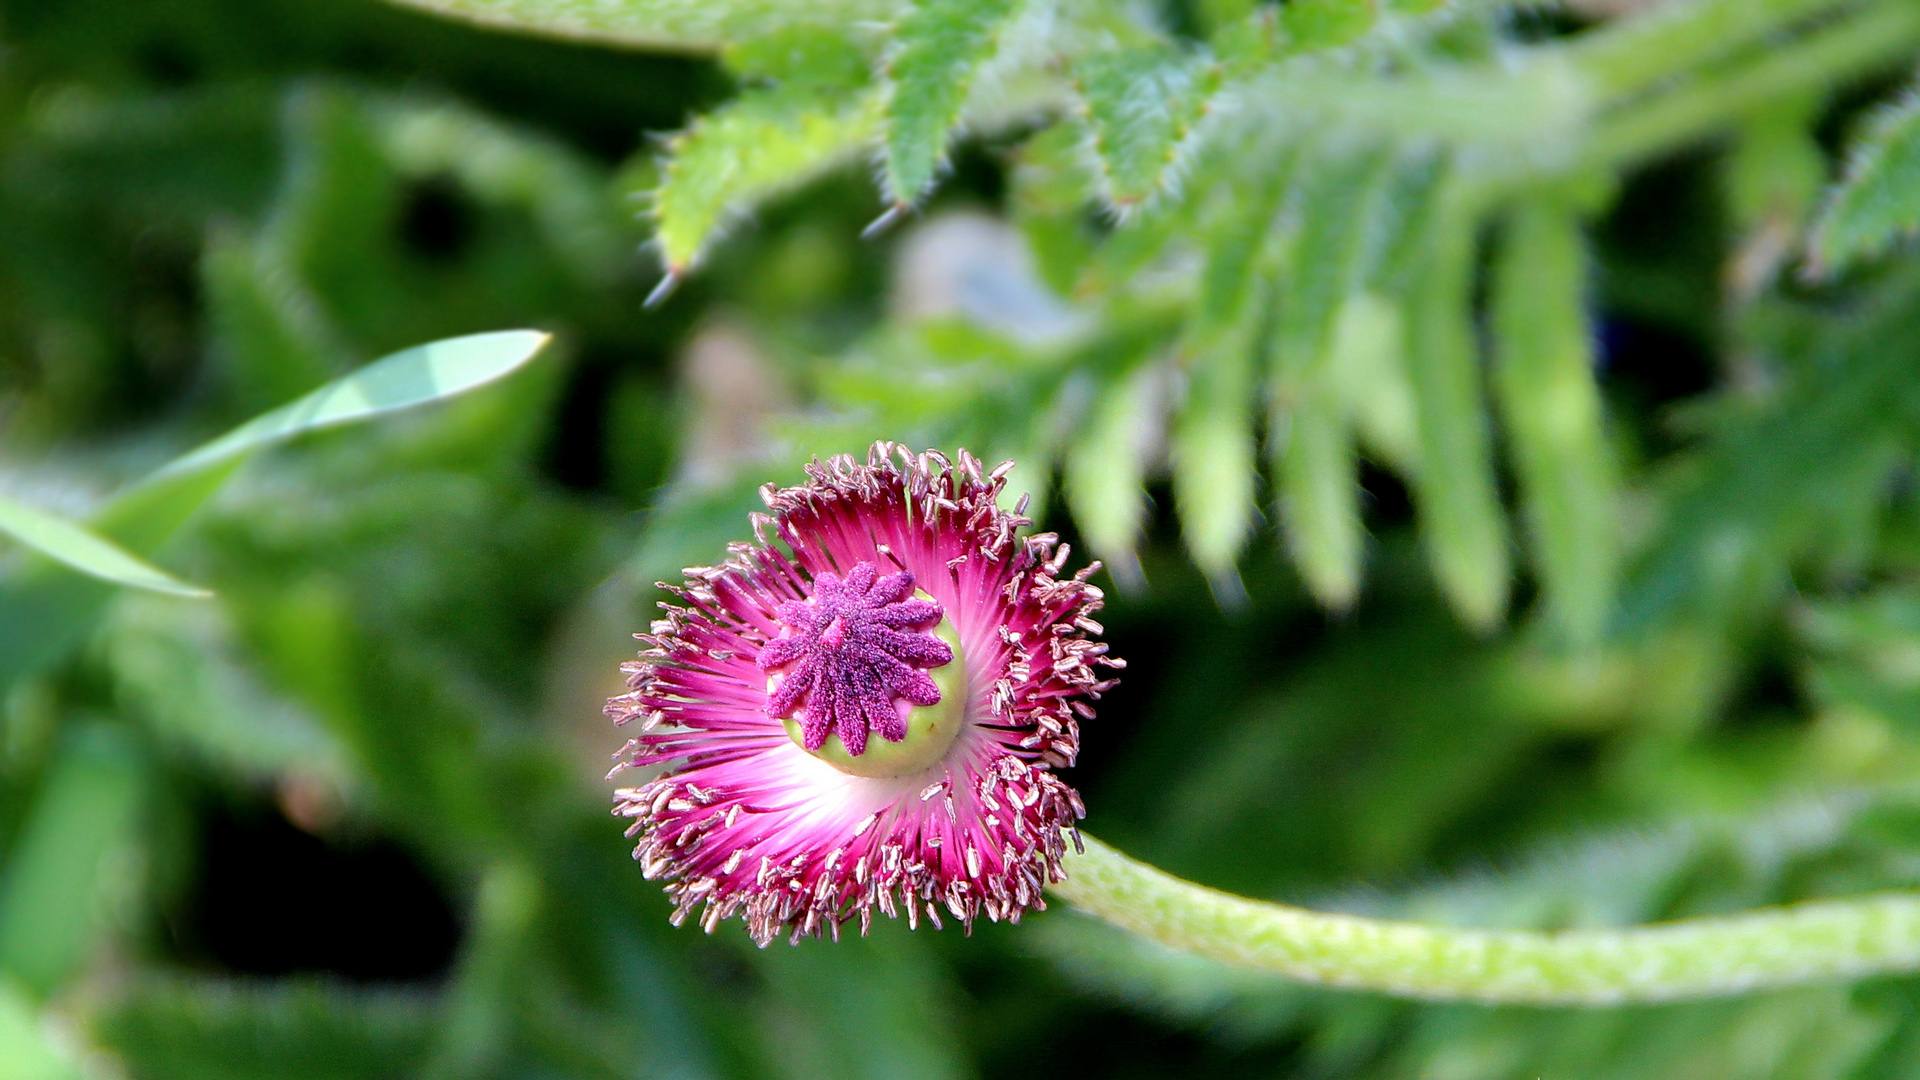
(1707, 957)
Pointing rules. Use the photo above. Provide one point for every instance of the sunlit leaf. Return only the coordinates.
(939, 48)
(749, 150)
(41, 614)
(1878, 200)
(85, 550)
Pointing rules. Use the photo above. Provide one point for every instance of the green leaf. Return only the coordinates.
(86, 551)
(1326, 24)
(1212, 443)
(939, 48)
(760, 145)
(699, 25)
(1213, 459)
(477, 1027)
(800, 54)
(182, 673)
(1142, 108)
(71, 862)
(1369, 366)
(42, 613)
(1878, 200)
(1319, 493)
(1459, 508)
(270, 329)
(1312, 431)
(1544, 375)
(416, 376)
(1106, 467)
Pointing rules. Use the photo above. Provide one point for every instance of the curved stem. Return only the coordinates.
(1705, 957)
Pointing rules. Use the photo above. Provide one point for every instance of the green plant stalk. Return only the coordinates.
(1695, 958)
(1879, 36)
(1637, 53)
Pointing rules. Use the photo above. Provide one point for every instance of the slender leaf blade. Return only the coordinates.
(416, 376)
(43, 613)
(84, 550)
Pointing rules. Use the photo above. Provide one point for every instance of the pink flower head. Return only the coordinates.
(867, 713)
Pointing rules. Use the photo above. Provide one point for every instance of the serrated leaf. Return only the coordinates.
(1878, 200)
(42, 614)
(1106, 467)
(1460, 515)
(81, 548)
(699, 25)
(1544, 375)
(755, 147)
(1142, 108)
(939, 48)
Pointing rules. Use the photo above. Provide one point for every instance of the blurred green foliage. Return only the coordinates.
(1498, 420)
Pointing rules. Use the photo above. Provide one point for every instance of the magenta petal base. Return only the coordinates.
(738, 817)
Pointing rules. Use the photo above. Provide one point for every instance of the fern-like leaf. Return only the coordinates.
(1878, 200)
(758, 146)
(939, 48)
(1142, 108)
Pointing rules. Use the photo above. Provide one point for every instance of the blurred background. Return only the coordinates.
(1526, 536)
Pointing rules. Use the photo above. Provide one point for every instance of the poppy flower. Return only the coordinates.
(864, 708)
